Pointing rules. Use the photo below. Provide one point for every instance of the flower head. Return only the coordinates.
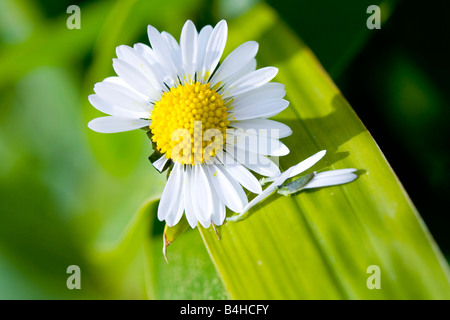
(207, 121)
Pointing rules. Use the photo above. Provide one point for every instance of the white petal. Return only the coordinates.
(135, 79)
(330, 178)
(117, 80)
(235, 61)
(202, 41)
(122, 97)
(175, 218)
(268, 91)
(219, 212)
(189, 47)
(266, 109)
(131, 91)
(116, 124)
(260, 125)
(137, 61)
(307, 163)
(169, 208)
(257, 143)
(162, 52)
(160, 163)
(175, 51)
(267, 192)
(188, 186)
(149, 55)
(255, 162)
(111, 109)
(332, 173)
(202, 198)
(251, 81)
(275, 148)
(228, 189)
(144, 50)
(242, 175)
(302, 166)
(214, 49)
(249, 68)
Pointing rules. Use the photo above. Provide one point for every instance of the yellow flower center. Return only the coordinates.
(182, 121)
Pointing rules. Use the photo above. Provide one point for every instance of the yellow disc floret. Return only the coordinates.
(186, 120)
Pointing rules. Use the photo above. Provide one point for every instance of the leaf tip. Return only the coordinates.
(166, 243)
(215, 230)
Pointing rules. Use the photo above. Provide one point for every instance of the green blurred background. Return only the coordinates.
(68, 195)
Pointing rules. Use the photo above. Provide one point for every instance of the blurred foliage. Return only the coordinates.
(68, 195)
(398, 85)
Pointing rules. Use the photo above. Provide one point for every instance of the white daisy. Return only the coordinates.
(191, 108)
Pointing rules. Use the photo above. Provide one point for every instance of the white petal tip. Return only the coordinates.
(332, 178)
(91, 125)
(222, 22)
(113, 124)
(282, 151)
(91, 97)
(322, 153)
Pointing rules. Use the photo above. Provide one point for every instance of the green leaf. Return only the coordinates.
(134, 267)
(190, 273)
(320, 244)
(172, 233)
(127, 264)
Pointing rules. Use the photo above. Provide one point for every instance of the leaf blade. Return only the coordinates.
(320, 243)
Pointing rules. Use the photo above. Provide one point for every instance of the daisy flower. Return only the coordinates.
(208, 123)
